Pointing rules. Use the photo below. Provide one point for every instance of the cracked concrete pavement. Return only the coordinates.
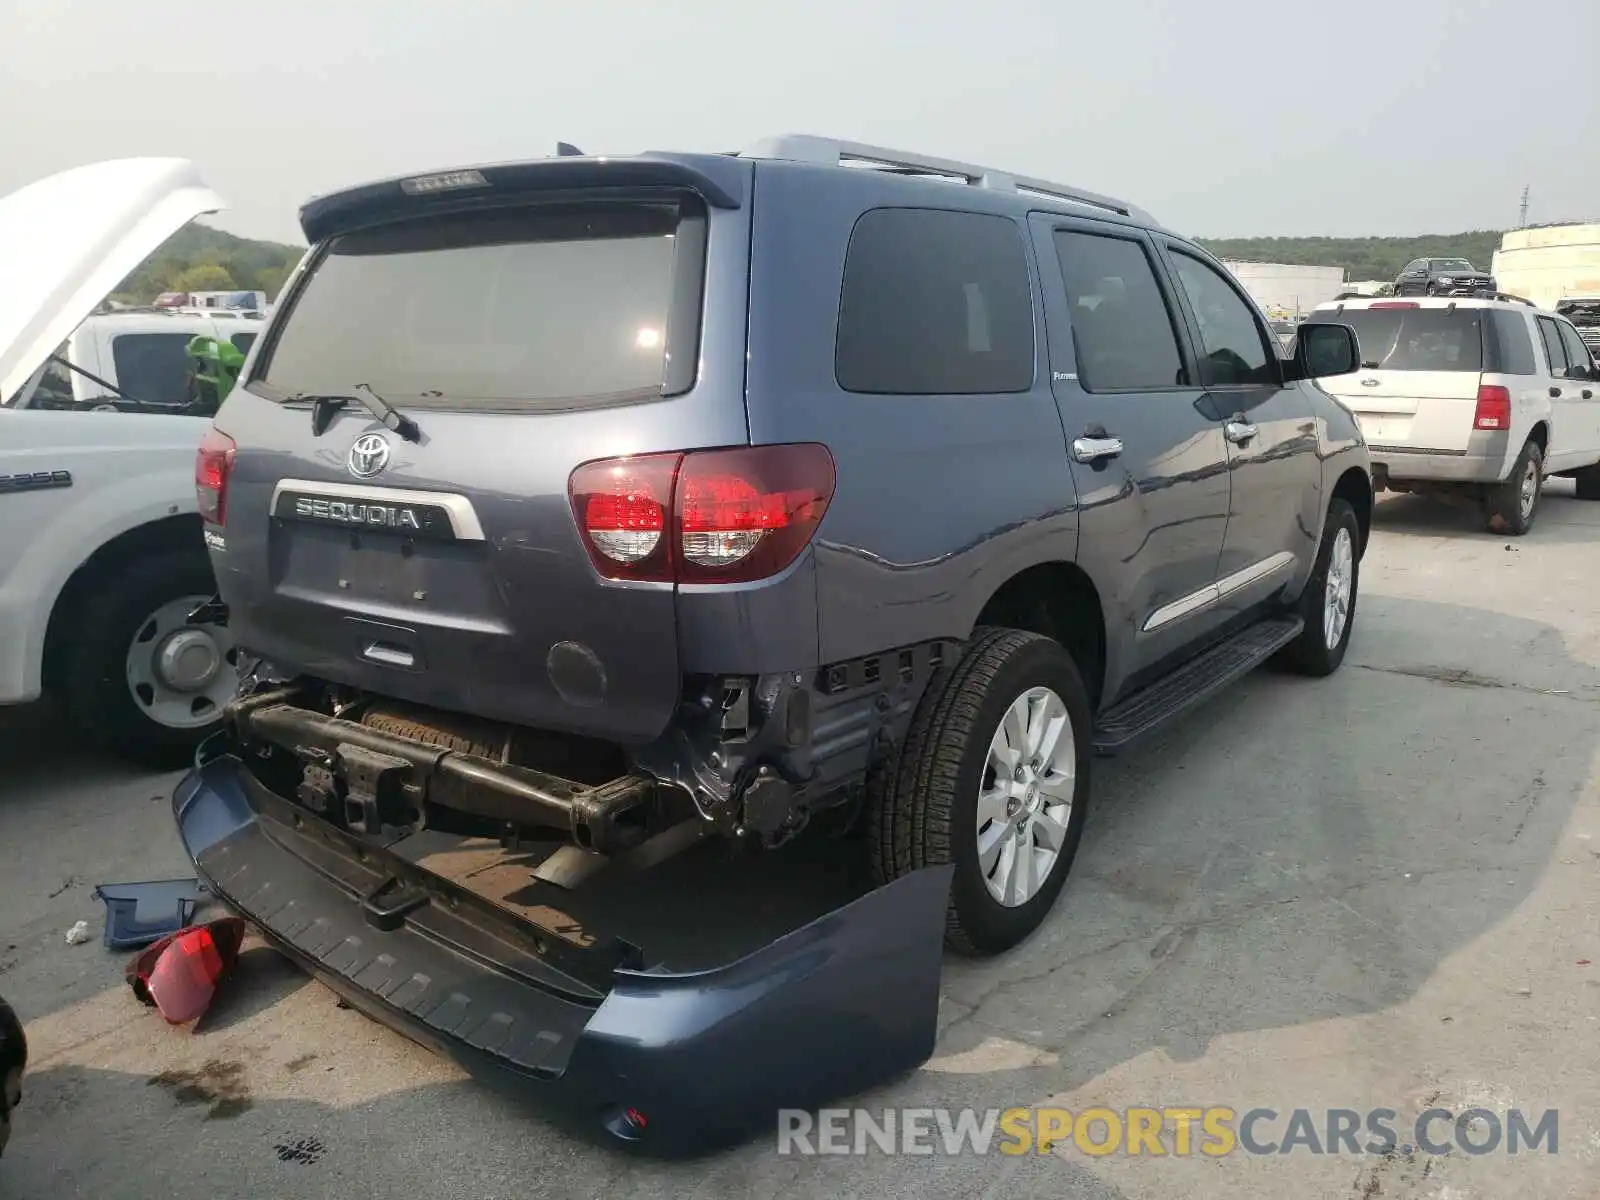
(1376, 890)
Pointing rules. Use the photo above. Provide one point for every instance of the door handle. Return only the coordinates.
(1096, 449)
(1239, 432)
(1587, 394)
(1555, 391)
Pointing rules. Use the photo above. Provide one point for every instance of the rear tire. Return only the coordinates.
(109, 698)
(1328, 603)
(1510, 506)
(944, 801)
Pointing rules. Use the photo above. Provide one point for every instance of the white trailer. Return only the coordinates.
(1288, 288)
(1546, 263)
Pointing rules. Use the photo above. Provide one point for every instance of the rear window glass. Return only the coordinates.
(1416, 339)
(935, 303)
(550, 308)
(242, 342)
(153, 367)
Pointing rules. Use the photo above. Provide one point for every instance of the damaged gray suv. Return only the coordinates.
(574, 510)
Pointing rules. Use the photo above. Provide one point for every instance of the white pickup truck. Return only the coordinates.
(131, 361)
(102, 559)
(1482, 397)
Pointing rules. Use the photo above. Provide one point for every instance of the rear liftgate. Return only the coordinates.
(407, 925)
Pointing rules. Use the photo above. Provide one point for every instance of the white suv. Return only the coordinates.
(1486, 396)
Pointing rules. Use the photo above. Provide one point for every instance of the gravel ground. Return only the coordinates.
(1376, 890)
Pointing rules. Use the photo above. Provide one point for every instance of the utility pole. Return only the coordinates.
(1522, 216)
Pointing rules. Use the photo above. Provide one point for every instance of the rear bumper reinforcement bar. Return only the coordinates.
(383, 770)
(704, 1057)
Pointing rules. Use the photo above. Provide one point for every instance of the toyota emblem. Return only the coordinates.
(368, 456)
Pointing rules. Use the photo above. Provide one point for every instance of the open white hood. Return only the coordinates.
(67, 240)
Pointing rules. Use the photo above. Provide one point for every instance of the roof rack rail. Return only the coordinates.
(1507, 296)
(807, 148)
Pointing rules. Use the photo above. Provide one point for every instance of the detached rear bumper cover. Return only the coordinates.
(836, 1006)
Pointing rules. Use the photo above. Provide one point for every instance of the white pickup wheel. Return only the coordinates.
(137, 677)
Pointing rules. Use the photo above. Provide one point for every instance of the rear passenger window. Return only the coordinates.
(1234, 351)
(1121, 325)
(1552, 345)
(153, 367)
(935, 303)
(1577, 352)
(1512, 348)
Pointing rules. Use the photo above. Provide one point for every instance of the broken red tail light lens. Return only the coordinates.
(706, 516)
(178, 975)
(1494, 408)
(213, 463)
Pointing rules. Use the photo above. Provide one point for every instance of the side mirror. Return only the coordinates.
(1581, 371)
(1322, 349)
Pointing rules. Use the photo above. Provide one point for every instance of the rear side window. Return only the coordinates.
(1553, 350)
(1417, 339)
(935, 303)
(242, 342)
(1509, 347)
(559, 307)
(1577, 352)
(1121, 326)
(153, 367)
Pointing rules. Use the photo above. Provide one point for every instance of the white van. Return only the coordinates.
(1486, 396)
(131, 361)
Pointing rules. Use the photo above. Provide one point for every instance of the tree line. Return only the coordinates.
(199, 258)
(1361, 258)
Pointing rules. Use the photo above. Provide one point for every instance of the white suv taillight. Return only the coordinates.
(1494, 408)
(706, 516)
(213, 463)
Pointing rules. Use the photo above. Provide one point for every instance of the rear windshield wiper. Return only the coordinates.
(324, 407)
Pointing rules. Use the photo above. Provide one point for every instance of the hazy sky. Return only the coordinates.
(1222, 117)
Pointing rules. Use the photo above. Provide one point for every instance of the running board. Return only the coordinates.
(1201, 677)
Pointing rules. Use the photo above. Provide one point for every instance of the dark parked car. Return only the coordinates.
(721, 493)
(1443, 277)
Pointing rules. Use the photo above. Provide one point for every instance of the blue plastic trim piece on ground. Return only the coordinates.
(140, 913)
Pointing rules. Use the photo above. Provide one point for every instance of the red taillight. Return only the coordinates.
(212, 464)
(624, 507)
(1395, 304)
(179, 974)
(708, 516)
(1494, 408)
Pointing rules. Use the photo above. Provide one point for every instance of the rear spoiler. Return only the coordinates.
(719, 180)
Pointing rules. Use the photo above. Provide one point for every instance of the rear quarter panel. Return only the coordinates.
(940, 499)
(127, 470)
